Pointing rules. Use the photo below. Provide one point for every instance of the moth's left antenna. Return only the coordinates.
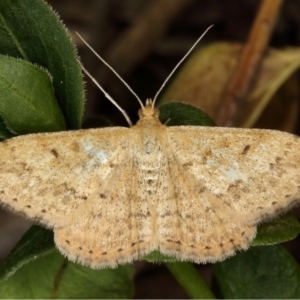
(178, 64)
(112, 69)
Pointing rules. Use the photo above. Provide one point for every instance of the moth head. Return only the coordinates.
(148, 110)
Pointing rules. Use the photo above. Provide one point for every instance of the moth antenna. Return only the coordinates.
(107, 95)
(112, 69)
(178, 64)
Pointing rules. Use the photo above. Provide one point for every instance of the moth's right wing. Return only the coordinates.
(47, 176)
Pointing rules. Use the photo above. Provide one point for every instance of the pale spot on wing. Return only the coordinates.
(99, 155)
(94, 152)
(233, 174)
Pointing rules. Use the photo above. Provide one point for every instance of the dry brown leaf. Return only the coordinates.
(204, 77)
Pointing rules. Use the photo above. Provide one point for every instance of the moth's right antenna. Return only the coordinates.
(106, 94)
(112, 69)
(180, 62)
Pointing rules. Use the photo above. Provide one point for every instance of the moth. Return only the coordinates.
(113, 195)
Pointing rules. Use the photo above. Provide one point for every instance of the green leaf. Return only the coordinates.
(27, 101)
(36, 242)
(37, 265)
(52, 276)
(5, 133)
(29, 29)
(176, 113)
(277, 231)
(261, 272)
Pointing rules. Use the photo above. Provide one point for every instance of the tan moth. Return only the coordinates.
(113, 195)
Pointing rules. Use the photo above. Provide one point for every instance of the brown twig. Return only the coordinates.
(249, 62)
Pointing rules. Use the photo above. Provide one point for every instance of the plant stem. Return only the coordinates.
(248, 64)
(190, 280)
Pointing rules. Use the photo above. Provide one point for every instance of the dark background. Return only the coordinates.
(105, 22)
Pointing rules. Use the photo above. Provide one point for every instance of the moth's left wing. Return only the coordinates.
(256, 173)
